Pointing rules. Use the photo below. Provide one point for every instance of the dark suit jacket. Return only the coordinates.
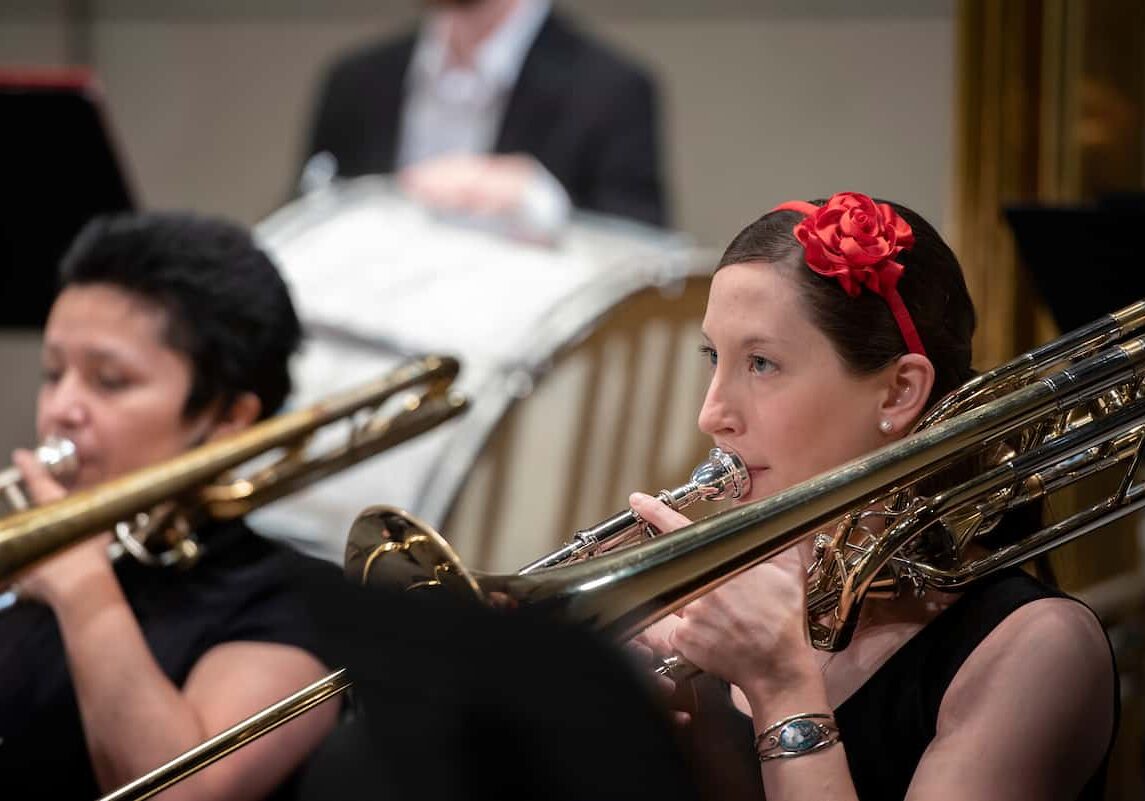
(586, 114)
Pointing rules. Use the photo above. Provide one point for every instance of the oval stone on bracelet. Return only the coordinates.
(800, 735)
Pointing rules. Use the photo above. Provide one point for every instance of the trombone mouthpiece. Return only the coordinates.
(58, 454)
(723, 476)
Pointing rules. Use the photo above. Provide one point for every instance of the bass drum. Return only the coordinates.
(579, 361)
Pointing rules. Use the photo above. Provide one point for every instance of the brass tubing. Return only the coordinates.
(1101, 333)
(214, 749)
(622, 593)
(35, 534)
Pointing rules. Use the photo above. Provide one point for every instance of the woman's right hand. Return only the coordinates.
(42, 486)
(652, 645)
(66, 573)
(648, 649)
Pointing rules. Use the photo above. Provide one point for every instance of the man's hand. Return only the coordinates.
(512, 192)
(471, 184)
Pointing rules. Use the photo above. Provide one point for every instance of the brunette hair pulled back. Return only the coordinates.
(862, 329)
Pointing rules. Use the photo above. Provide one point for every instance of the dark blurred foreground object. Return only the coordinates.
(60, 169)
(453, 700)
(1085, 260)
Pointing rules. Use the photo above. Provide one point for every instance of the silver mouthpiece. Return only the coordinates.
(723, 476)
(57, 454)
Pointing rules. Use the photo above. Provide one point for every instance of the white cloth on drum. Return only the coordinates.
(378, 280)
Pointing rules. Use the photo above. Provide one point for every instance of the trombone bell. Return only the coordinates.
(390, 547)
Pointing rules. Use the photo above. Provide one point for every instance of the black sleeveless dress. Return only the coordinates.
(903, 695)
(245, 588)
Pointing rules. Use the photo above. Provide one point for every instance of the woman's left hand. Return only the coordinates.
(751, 630)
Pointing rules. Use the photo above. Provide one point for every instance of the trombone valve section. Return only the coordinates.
(722, 476)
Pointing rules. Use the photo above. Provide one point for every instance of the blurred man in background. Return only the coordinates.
(496, 108)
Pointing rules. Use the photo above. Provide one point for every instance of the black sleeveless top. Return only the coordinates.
(243, 589)
(887, 724)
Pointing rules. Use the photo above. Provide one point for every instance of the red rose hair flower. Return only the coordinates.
(854, 240)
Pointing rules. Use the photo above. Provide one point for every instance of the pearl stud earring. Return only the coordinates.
(886, 426)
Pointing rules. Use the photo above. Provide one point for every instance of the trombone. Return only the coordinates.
(1050, 418)
(722, 476)
(155, 510)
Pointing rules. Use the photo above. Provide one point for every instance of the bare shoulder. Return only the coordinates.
(1040, 690)
(270, 663)
(1050, 636)
(234, 679)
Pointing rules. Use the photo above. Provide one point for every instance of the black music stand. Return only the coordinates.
(1086, 261)
(60, 169)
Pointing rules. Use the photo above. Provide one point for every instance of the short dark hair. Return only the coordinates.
(863, 329)
(227, 308)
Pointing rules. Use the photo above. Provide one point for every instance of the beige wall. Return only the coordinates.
(765, 109)
(765, 100)
(32, 33)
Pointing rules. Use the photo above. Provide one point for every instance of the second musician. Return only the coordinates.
(831, 327)
(170, 331)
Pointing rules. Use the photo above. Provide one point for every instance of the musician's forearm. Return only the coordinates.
(821, 774)
(134, 718)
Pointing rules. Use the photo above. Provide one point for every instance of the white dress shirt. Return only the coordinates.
(451, 108)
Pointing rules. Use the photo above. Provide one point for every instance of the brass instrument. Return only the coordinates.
(57, 454)
(210, 751)
(723, 476)
(912, 515)
(909, 516)
(155, 510)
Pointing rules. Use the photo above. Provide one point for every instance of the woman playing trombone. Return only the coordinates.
(170, 331)
(831, 327)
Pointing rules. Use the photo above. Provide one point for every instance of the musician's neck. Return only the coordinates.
(471, 25)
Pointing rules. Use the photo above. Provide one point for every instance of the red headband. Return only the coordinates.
(854, 240)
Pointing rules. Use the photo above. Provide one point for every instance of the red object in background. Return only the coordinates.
(31, 78)
(60, 168)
